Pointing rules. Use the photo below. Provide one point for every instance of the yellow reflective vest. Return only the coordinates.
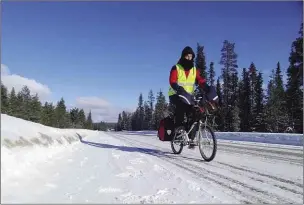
(187, 83)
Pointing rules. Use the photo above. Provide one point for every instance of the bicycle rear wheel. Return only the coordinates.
(206, 137)
(178, 140)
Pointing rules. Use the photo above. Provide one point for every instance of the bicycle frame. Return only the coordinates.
(185, 135)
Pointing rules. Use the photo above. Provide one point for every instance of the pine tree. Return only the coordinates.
(74, 116)
(244, 102)
(60, 114)
(147, 117)
(13, 103)
(140, 120)
(235, 125)
(276, 103)
(235, 119)
(160, 108)
(219, 120)
(25, 95)
(68, 122)
(4, 100)
(294, 93)
(48, 117)
(200, 61)
(129, 121)
(82, 118)
(20, 107)
(124, 123)
(151, 100)
(211, 75)
(89, 121)
(35, 109)
(119, 123)
(253, 81)
(258, 124)
(229, 75)
(134, 120)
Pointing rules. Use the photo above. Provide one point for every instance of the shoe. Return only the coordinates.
(191, 145)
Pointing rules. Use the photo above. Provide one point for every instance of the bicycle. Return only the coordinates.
(181, 136)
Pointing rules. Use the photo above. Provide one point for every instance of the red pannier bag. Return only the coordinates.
(166, 129)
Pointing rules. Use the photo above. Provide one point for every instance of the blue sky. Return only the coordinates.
(115, 50)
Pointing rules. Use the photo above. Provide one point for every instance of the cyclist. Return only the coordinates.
(183, 78)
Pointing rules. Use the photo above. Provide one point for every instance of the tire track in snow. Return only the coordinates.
(198, 173)
(250, 188)
(264, 175)
(273, 180)
(243, 151)
(214, 163)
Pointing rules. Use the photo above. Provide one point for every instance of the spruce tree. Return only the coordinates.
(25, 95)
(124, 123)
(258, 124)
(294, 86)
(35, 109)
(74, 116)
(13, 103)
(147, 117)
(134, 120)
(229, 75)
(140, 120)
(200, 61)
(82, 118)
(89, 121)
(151, 100)
(160, 108)
(129, 121)
(276, 103)
(4, 100)
(60, 113)
(253, 81)
(219, 120)
(235, 119)
(48, 117)
(244, 102)
(119, 123)
(211, 75)
(20, 107)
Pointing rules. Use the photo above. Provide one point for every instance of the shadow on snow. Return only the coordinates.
(153, 152)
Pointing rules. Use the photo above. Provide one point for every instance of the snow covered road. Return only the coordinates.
(120, 168)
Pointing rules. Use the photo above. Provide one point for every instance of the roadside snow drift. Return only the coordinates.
(16, 132)
(25, 144)
(271, 138)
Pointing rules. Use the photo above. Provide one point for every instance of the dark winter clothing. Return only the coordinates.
(181, 107)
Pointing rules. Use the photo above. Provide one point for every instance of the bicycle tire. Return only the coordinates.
(172, 142)
(214, 145)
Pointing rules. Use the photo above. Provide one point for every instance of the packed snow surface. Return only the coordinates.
(124, 167)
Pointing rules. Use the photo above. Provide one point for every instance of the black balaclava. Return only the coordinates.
(187, 64)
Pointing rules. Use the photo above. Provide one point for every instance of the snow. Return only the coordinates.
(119, 167)
(269, 138)
(13, 129)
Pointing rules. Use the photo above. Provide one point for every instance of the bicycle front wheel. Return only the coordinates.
(207, 138)
(177, 141)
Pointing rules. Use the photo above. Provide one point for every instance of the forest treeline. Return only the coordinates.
(28, 107)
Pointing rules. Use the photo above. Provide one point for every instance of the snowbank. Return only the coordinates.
(271, 138)
(16, 132)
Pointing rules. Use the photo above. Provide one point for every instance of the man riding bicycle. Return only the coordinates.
(183, 78)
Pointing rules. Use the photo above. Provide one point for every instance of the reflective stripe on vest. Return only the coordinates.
(187, 83)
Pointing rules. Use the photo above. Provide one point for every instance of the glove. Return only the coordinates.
(180, 90)
(206, 88)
